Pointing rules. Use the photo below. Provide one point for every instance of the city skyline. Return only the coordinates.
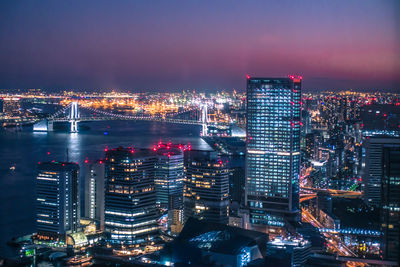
(197, 133)
(298, 176)
(198, 46)
(273, 149)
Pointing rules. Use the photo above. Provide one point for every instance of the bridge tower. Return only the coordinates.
(204, 119)
(74, 117)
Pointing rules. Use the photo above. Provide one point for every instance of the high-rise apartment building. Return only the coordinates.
(390, 202)
(273, 149)
(94, 192)
(57, 200)
(130, 197)
(206, 190)
(373, 148)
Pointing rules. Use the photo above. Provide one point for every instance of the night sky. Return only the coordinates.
(203, 45)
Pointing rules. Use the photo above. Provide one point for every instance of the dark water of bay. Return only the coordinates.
(25, 149)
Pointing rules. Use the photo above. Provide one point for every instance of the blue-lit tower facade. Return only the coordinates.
(57, 200)
(130, 198)
(169, 176)
(273, 150)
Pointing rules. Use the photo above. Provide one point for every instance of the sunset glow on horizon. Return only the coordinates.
(202, 45)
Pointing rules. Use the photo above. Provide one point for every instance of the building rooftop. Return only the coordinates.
(129, 152)
(355, 213)
(291, 241)
(58, 166)
(220, 238)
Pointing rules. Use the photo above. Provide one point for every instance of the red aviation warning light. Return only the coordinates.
(296, 78)
(248, 77)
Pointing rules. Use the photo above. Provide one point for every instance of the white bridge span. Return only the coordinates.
(74, 116)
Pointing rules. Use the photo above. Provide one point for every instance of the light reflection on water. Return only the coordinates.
(74, 145)
(25, 149)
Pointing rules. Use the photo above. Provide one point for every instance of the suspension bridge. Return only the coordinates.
(73, 116)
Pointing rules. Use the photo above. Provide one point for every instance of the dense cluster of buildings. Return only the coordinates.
(351, 143)
(312, 176)
(127, 193)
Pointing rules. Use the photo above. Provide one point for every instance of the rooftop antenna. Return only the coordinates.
(67, 154)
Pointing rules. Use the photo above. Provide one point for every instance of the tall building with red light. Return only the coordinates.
(169, 175)
(273, 150)
(130, 197)
(206, 188)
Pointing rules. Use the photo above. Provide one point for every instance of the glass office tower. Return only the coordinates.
(57, 200)
(169, 176)
(273, 149)
(130, 198)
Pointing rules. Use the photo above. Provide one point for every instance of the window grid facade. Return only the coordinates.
(130, 198)
(273, 149)
(169, 176)
(206, 191)
(57, 201)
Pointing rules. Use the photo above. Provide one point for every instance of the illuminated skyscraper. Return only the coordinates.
(169, 175)
(57, 200)
(130, 197)
(94, 192)
(273, 149)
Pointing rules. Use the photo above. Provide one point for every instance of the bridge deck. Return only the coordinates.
(155, 119)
